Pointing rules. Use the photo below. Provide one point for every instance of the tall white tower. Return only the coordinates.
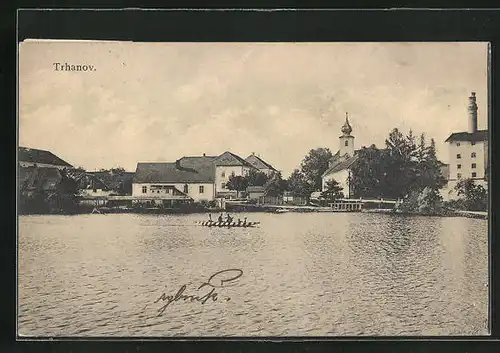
(346, 140)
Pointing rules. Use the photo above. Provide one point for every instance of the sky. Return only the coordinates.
(149, 102)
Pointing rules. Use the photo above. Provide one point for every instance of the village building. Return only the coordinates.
(261, 165)
(468, 153)
(32, 157)
(171, 181)
(200, 178)
(226, 165)
(120, 182)
(339, 166)
(90, 185)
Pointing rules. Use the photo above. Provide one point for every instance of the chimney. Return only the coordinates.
(472, 108)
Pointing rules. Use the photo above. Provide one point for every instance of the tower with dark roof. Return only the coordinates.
(346, 139)
(468, 152)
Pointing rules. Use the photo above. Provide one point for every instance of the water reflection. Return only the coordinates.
(304, 274)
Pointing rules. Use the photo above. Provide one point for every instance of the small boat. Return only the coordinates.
(280, 210)
(227, 224)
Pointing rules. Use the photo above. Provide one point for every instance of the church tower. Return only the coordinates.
(346, 140)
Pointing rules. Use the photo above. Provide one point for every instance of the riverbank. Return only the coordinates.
(448, 213)
(249, 208)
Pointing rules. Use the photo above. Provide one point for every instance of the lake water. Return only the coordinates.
(307, 274)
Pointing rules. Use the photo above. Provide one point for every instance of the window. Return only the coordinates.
(473, 154)
(202, 189)
(144, 189)
(473, 165)
(474, 174)
(473, 143)
(223, 186)
(459, 166)
(346, 143)
(459, 156)
(186, 188)
(459, 175)
(223, 174)
(458, 144)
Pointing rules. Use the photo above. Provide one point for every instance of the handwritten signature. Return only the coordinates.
(221, 279)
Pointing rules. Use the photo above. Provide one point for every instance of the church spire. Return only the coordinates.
(346, 128)
(346, 140)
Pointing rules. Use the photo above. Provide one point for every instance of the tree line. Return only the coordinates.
(405, 168)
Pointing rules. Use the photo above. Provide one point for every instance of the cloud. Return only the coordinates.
(160, 101)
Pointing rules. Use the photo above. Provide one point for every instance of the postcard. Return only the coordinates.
(252, 189)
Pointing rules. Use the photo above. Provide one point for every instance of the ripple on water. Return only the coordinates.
(304, 274)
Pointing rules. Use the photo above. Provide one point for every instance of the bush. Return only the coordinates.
(426, 201)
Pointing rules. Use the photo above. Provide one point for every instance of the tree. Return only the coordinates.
(256, 178)
(314, 165)
(402, 164)
(475, 197)
(430, 169)
(298, 185)
(367, 173)
(237, 183)
(275, 185)
(65, 194)
(402, 167)
(333, 191)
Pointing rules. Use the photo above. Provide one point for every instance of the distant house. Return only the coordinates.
(119, 182)
(91, 185)
(30, 157)
(228, 164)
(339, 167)
(260, 164)
(201, 178)
(172, 181)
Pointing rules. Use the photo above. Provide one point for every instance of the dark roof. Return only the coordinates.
(258, 162)
(169, 173)
(344, 163)
(113, 181)
(44, 178)
(202, 164)
(231, 159)
(34, 155)
(480, 135)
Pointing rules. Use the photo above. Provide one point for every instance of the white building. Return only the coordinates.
(468, 153)
(199, 178)
(170, 181)
(339, 167)
(228, 164)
